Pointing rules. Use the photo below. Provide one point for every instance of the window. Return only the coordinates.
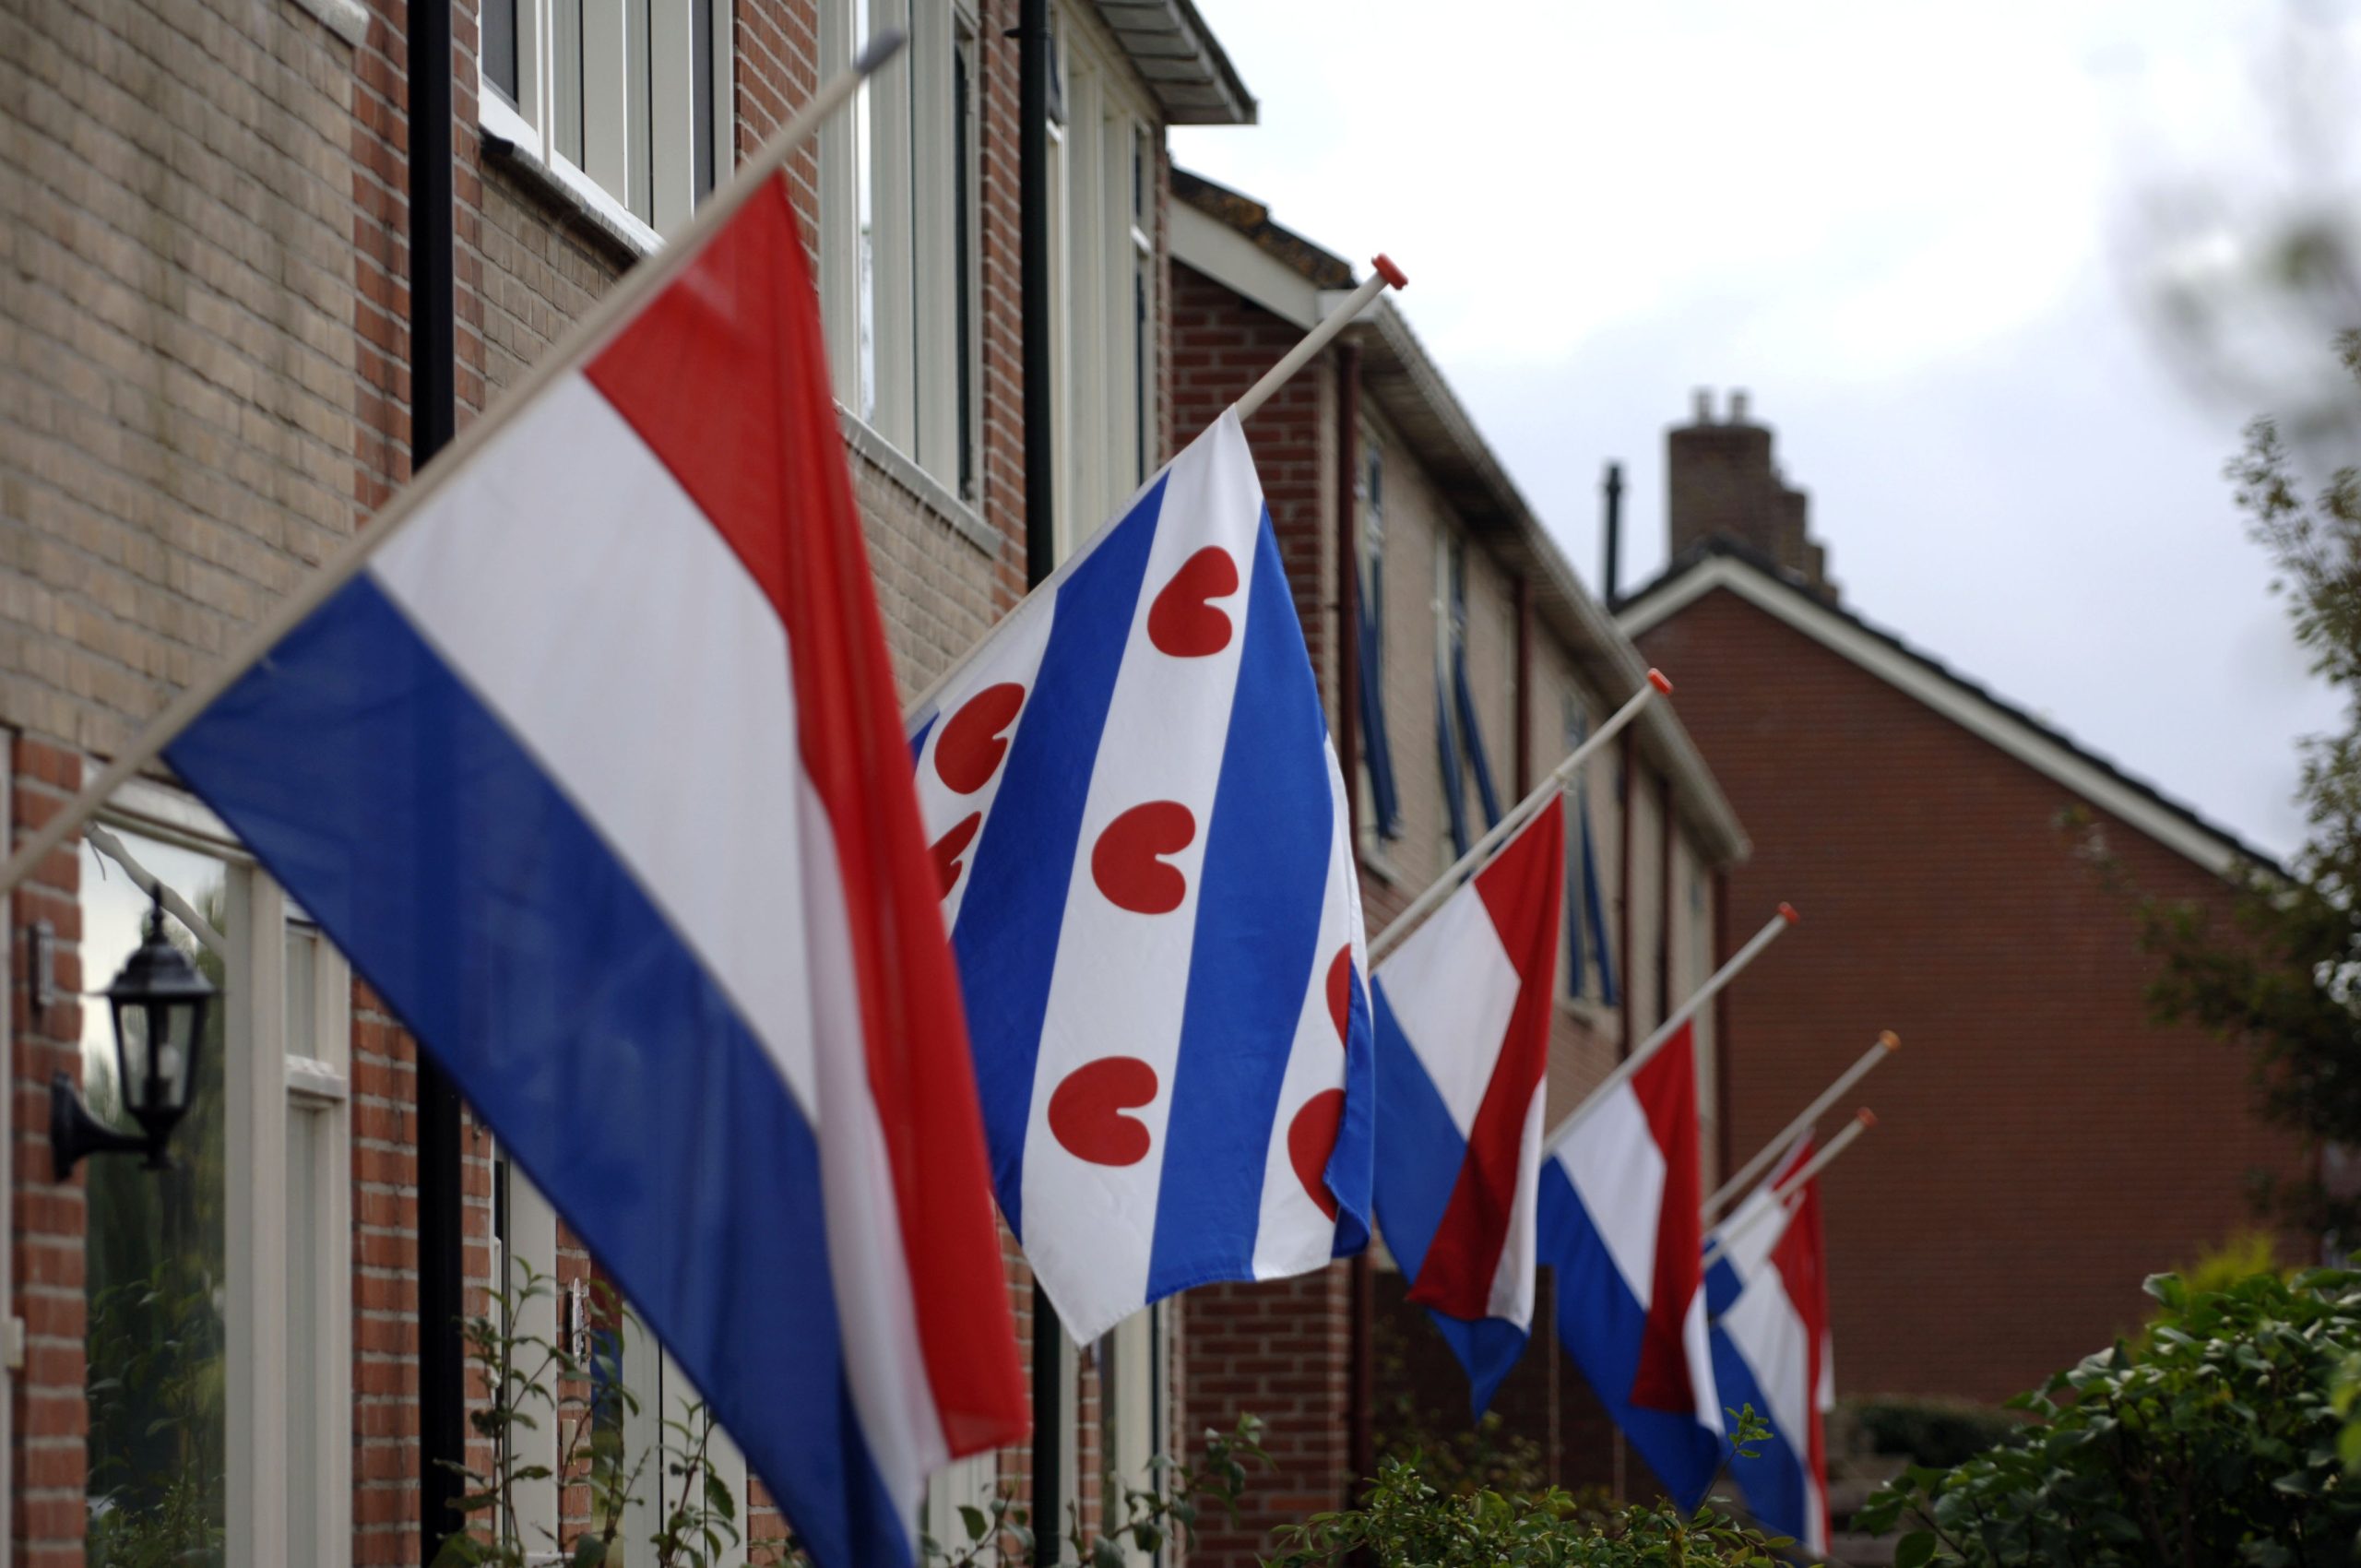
(220, 1341)
(900, 277)
(1134, 1393)
(1103, 174)
(1590, 964)
(626, 102)
(1459, 739)
(1383, 819)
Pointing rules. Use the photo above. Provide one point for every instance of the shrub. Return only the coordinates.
(1405, 1521)
(2213, 1438)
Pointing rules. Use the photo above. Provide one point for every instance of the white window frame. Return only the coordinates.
(643, 200)
(1101, 250)
(891, 297)
(265, 1081)
(1135, 1407)
(532, 1242)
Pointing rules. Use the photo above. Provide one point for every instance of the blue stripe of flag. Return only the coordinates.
(1011, 920)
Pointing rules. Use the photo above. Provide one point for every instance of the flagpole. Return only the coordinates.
(636, 287)
(1887, 1044)
(1862, 1122)
(1515, 817)
(1384, 275)
(1771, 932)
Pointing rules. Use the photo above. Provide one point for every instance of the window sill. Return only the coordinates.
(1590, 1015)
(349, 19)
(932, 492)
(1375, 862)
(574, 194)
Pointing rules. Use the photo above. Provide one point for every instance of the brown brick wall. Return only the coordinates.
(2042, 1145)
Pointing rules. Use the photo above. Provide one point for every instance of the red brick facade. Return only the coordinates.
(2042, 1145)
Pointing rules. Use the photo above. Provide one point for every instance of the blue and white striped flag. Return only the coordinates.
(1140, 827)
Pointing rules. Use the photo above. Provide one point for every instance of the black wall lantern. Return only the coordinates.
(159, 1001)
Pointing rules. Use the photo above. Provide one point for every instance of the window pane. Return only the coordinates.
(499, 47)
(639, 124)
(701, 93)
(156, 1260)
(303, 970)
(965, 270)
(306, 1133)
(566, 24)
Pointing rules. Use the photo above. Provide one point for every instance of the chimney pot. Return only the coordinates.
(1737, 406)
(1704, 405)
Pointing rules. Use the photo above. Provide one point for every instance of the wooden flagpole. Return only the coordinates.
(639, 286)
(1862, 1122)
(1624, 1070)
(1513, 818)
(1887, 1044)
(1383, 275)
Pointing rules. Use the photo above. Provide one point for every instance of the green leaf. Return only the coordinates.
(973, 1518)
(1914, 1550)
(588, 1552)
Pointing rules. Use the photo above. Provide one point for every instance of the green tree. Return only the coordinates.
(2214, 1438)
(2282, 975)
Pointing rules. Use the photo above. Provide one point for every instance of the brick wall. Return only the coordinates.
(2042, 1145)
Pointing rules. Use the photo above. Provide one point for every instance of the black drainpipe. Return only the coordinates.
(442, 1363)
(1040, 559)
(1610, 590)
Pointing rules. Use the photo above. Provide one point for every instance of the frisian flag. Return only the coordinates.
(1619, 1196)
(597, 775)
(1463, 1008)
(1140, 832)
(1768, 1298)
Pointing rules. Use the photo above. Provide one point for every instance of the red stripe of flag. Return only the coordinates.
(725, 377)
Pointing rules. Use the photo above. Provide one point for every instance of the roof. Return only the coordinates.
(1231, 238)
(1725, 564)
(1182, 60)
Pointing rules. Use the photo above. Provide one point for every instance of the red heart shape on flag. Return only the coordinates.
(1311, 1138)
(1182, 623)
(1340, 991)
(948, 848)
(1087, 1110)
(1127, 862)
(973, 743)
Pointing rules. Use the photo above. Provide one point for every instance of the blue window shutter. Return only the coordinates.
(1447, 752)
(1377, 750)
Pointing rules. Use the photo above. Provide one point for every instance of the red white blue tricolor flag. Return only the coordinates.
(1619, 1200)
(1768, 1295)
(1140, 834)
(597, 775)
(1462, 1049)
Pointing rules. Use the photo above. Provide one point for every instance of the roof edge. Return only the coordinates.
(1719, 562)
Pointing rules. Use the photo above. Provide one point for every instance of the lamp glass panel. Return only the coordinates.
(155, 1244)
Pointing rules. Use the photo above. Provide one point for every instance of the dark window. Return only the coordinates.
(499, 47)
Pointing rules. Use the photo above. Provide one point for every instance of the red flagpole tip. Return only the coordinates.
(1660, 681)
(1395, 277)
(1787, 914)
(1888, 1039)
(1868, 1118)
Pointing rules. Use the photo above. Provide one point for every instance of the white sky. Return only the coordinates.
(1913, 233)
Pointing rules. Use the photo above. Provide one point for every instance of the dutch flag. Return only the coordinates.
(595, 774)
(1768, 1295)
(1140, 834)
(1464, 1010)
(1619, 1199)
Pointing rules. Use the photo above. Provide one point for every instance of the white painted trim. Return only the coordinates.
(14, 1325)
(349, 19)
(1969, 709)
(1207, 245)
(532, 1242)
(254, 1085)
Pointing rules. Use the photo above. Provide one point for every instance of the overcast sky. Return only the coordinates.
(1920, 237)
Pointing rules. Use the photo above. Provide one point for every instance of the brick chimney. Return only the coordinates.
(1722, 480)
